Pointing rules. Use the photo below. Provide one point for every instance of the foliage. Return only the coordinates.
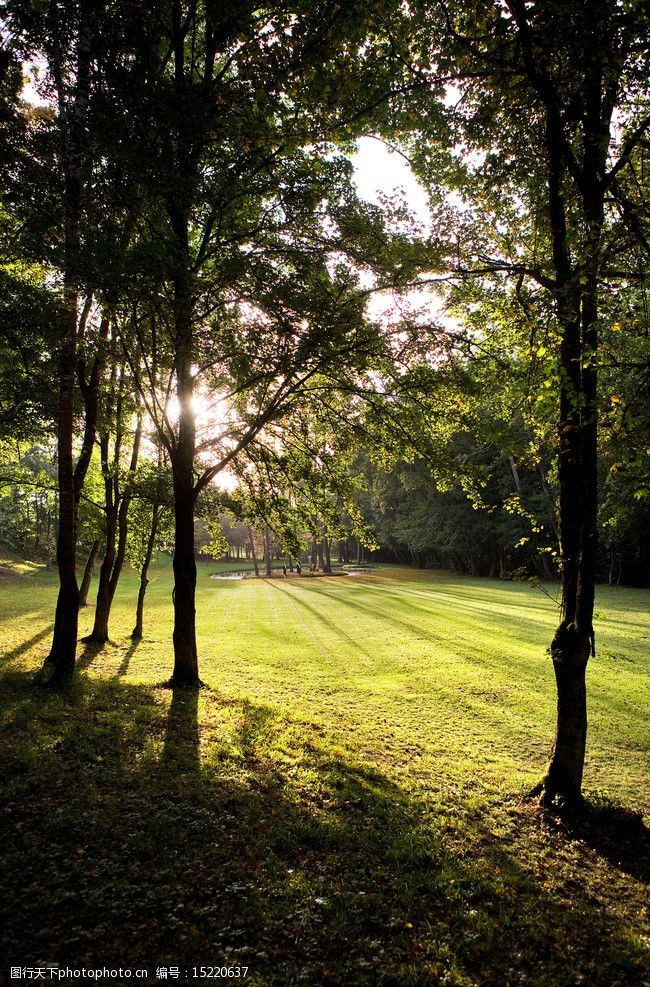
(27, 500)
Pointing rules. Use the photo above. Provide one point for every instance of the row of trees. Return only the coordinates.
(185, 252)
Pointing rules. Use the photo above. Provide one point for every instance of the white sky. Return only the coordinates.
(382, 172)
(379, 170)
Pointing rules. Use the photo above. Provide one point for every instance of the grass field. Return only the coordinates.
(343, 803)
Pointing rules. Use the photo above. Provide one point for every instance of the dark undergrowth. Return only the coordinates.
(153, 828)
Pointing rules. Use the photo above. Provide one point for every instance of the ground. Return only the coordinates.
(342, 804)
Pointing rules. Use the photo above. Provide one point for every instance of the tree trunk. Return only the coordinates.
(122, 522)
(88, 573)
(515, 475)
(577, 307)
(251, 541)
(268, 560)
(546, 567)
(186, 664)
(570, 652)
(136, 633)
(99, 633)
(59, 664)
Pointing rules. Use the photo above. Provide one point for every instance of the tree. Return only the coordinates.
(57, 157)
(227, 115)
(150, 513)
(113, 430)
(550, 115)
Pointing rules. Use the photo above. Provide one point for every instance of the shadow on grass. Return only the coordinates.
(331, 625)
(616, 834)
(180, 755)
(91, 649)
(128, 655)
(187, 829)
(23, 648)
(405, 600)
(379, 612)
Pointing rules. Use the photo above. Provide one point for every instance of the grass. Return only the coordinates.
(342, 804)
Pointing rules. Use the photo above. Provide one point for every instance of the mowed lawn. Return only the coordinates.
(343, 802)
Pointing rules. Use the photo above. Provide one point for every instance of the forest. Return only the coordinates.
(219, 353)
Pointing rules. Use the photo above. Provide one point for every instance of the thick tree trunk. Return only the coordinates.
(570, 653)
(88, 573)
(572, 640)
(136, 633)
(59, 665)
(186, 664)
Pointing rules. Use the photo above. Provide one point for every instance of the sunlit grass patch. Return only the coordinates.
(342, 804)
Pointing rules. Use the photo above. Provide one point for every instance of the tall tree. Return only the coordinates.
(115, 441)
(227, 112)
(53, 183)
(550, 109)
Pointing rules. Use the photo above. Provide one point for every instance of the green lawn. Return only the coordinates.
(342, 804)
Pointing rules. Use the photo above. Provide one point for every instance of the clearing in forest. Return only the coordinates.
(342, 803)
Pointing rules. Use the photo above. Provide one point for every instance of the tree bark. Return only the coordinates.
(251, 541)
(186, 665)
(136, 633)
(570, 653)
(268, 560)
(88, 573)
(60, 663)
(577, 300)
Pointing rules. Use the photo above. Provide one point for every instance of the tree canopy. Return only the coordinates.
(184, 250)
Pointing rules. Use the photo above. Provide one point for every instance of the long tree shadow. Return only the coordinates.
(180, 754)
(192, 829)
(403, 599)
(379, 613)
(91, 650)
(26, 646)
(128, 655)
(329, 624)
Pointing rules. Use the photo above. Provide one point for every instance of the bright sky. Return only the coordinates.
(379, 170)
